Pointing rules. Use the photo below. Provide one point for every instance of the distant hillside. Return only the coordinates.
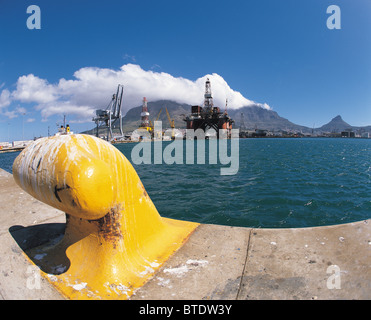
(176, 111)
(131, 120)
(337, 124)
(254, 117)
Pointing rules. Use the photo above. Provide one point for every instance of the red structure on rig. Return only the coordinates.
(208, 116)
(144, 115)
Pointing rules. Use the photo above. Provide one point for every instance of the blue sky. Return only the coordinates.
(280, 53)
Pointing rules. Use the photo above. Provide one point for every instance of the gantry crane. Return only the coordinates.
(111, 113)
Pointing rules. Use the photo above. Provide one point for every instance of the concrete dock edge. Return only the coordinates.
(217, 262)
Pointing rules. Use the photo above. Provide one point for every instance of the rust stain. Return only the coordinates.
(109, 227)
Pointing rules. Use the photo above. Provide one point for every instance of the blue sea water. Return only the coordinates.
(7, 159)
(281, 183)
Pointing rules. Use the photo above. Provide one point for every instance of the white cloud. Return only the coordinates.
(10, 114)
(34, 89)
(5, 98)
(78, 113)
(21, 110)
(93, 87)
(128, 57)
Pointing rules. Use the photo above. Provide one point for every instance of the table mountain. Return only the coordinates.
(254, 117)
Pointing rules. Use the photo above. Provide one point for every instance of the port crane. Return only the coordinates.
(150, 122)
(152, 129)
(171, 122)
(109, 115)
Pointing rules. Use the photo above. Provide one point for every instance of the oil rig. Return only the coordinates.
(208, 116)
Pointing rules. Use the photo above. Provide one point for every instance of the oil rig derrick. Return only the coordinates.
(145, 116)
(209, 117)
(106, 117)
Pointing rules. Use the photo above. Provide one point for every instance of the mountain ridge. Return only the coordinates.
(254, 117)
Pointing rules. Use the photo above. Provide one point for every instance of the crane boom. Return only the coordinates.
(158, 116)
(171, 121)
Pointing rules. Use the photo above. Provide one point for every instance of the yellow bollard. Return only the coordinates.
(115, 239)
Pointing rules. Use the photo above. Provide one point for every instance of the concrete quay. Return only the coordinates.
(216, 262)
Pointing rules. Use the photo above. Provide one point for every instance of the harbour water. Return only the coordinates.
(281, 183)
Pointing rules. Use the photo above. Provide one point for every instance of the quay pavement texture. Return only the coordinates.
(216, 262)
